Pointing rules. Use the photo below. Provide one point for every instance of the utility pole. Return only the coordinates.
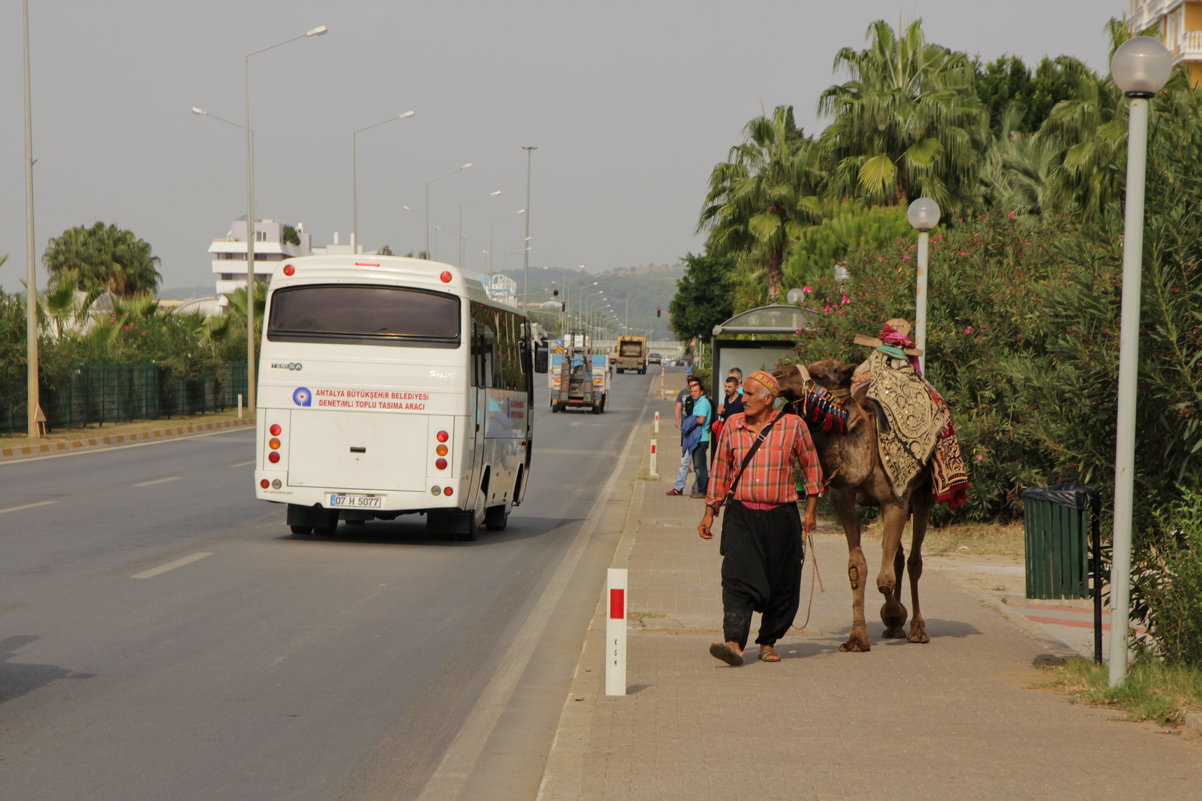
(526, 241)
(31, 288)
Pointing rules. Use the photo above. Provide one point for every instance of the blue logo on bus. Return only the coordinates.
(302, 397)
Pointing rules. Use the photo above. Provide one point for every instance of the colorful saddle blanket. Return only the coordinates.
(915, 427)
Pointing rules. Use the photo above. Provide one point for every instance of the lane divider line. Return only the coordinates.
(161, 569)
(157, 481)
(243, 464)
(26, 506)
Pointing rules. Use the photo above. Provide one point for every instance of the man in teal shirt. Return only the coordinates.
(703, 416)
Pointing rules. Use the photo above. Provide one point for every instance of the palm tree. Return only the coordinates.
(104, 257)
(1017, 170)
(909, 122)
(763, 196)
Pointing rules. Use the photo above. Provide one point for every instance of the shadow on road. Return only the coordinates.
(18, 679)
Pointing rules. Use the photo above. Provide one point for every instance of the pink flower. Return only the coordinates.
(846, 300)
(911, 247)
(842, 311)
(1013, 216)
(968, 330)
(979, 457)
(827, 310)
(964, 253)
(807, 289)
(905, 258)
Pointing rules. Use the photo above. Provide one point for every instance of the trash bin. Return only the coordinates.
(1057, 522)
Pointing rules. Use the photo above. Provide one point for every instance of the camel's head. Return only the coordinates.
(832, 374)
(794, 381)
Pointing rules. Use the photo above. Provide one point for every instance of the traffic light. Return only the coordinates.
(658, 310)
(563, 305)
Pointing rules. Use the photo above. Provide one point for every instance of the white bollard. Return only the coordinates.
(653, 472)
(615, 633)
(239, 405)
(657, 422)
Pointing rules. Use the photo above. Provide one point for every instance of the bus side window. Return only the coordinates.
(483, 341)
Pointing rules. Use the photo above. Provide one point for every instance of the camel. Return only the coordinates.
(852, 467)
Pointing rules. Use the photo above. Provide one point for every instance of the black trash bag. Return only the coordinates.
(1073, 496)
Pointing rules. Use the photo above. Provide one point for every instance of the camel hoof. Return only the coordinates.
(894, 633)
(918, 635)
(855, 647)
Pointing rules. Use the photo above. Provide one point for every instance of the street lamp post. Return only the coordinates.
(492, 229)
(923, 215)
(355, 174)
(320, 30)
(461, 168)
(526, 249)
(494, 193)
(1140, 67)
(32, 399)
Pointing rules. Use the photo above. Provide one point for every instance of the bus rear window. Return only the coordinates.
(369, 314)
(632, 349)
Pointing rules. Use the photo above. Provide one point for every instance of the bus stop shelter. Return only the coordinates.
(768, 334)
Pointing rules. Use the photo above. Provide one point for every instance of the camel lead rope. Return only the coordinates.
(815, 578)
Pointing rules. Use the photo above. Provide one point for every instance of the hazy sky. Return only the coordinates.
(630, 104)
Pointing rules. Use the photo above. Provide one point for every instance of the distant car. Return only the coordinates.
(613, 359)
(654, 358)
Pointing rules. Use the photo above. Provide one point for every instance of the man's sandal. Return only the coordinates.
(768, 654)
(723, 651)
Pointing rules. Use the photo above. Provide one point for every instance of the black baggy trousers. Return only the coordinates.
(762, 554)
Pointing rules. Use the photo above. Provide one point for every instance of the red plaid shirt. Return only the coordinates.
(769, 477)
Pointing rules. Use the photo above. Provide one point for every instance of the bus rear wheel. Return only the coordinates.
(302, 531)
(496, 518)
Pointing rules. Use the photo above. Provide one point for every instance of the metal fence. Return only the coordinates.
(112, 393)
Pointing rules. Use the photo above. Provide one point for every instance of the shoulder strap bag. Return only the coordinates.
(755, 446)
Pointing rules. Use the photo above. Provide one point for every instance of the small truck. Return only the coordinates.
(579, 378)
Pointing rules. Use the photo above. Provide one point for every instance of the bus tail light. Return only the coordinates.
(264, 483)
(448, 492)
(275, 443)
(441, 449)
(440, 463)
(446, 276)
(289, 269)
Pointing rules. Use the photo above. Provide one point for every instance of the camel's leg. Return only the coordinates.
(922, 511)
(893, 613)
(857, 569)
(895, 628)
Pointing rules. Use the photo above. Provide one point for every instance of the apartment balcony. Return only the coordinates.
(1148, 13)
(1189, 48)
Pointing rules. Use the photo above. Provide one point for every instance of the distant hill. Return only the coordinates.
(637, 289)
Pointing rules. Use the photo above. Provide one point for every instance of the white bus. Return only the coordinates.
(389, 386)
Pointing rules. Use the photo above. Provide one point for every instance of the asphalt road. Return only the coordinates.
(163, 636)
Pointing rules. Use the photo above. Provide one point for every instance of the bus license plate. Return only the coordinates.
(356, 501)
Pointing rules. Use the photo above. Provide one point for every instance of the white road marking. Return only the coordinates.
(157, 481)
(26, 506)
(243, 464)
(161, 569)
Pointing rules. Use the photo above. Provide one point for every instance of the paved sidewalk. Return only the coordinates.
(954, 719)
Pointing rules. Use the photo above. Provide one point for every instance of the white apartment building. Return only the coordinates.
(229, 253)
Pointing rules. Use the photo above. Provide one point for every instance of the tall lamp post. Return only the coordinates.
(494, 193)
(320, 30)
(32, 402)
(526, 248)
(1140, 67)
(492, 230)
(923, 215)
(460, 168)
(355, 174)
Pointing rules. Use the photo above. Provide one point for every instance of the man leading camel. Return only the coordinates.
(762, 548)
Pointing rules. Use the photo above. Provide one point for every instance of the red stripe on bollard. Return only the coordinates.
(617, 604)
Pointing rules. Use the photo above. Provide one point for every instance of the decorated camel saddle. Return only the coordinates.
(915, 425)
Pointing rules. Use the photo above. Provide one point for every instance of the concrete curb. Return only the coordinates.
(120, 439)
